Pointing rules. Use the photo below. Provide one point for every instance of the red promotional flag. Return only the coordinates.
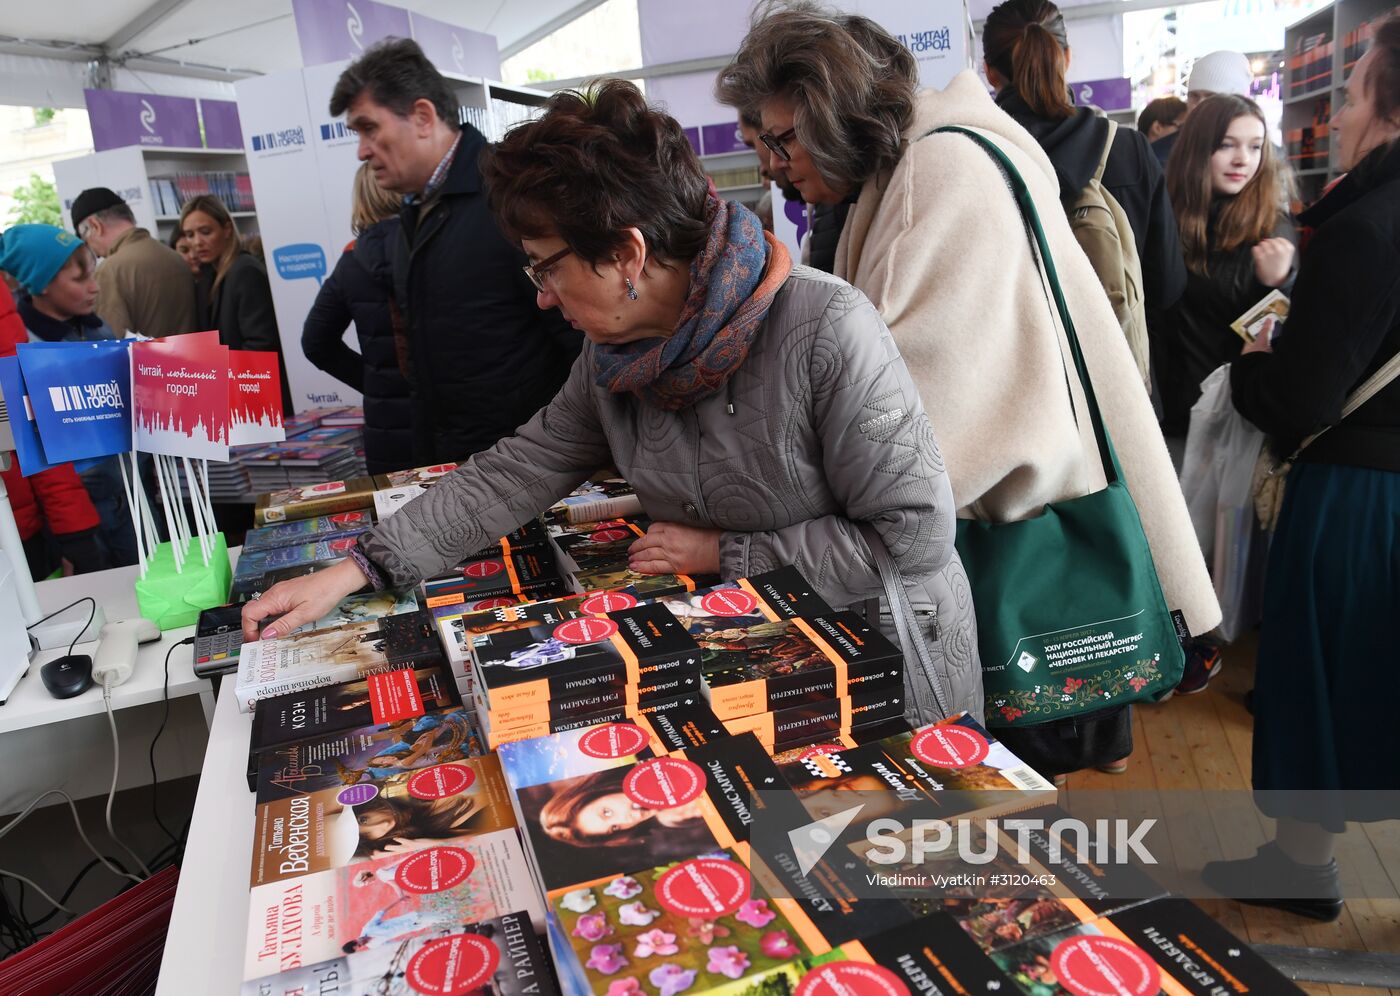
(180, 393)
(254, 398)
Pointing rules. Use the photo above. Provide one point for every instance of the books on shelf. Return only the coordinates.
(171, 193)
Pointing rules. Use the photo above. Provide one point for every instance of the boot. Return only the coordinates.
(1316, 889)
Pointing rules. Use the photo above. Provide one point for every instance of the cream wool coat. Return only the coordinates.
(939, 248)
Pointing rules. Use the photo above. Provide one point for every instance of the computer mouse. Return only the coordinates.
(67, 676)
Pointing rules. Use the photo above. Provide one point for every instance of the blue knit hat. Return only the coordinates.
(33, 254)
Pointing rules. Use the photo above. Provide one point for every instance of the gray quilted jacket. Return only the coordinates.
(826, 427)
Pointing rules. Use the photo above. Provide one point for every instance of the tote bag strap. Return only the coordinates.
(1040, 249)
(906, 623)
(1373, 385)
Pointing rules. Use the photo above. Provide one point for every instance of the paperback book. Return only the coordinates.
(315, 500)
(322, 551)
(646, 814)
(379, 699)
(772, 665)
(814, 722)
(414, 477)
(518, 670)
(496, 957)
(696, 722)
(304, 661)
(531, 572)
(369, 753)
(339, 827)
(379, 902)
(513, 723)
(612, 498)
(319, 529)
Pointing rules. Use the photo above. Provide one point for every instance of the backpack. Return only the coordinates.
(1102, 231)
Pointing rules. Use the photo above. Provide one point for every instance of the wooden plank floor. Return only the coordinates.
(1202, 742)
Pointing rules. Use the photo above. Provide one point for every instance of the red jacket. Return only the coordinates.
(56, 495)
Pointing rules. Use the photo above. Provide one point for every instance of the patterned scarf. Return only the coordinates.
(732, 285)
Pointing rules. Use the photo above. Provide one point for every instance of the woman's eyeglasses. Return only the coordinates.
(538, 271)
(775, 143)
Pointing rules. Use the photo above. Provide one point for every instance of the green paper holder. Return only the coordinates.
(172, 598)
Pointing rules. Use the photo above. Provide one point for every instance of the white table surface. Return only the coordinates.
(31, 705)
(204, 948)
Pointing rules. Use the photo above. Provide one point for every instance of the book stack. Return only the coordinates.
(1310, 65)
(385, 841)
(276, 466)
(313, 500)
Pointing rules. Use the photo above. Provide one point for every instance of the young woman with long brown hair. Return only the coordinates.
(1228, 190)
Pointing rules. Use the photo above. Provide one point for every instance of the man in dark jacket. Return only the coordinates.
(483, 357)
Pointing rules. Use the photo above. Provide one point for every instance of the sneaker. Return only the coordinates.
(1315, 889)
(1203, 662)
(1114, 767)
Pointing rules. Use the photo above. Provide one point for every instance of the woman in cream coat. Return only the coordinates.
(935, 239)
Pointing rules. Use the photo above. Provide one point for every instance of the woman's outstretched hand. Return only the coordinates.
(294, 603)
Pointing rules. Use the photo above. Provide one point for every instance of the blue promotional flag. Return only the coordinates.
(81, 396)
(27, 445)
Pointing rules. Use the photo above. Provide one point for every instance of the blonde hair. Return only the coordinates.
(215, 209)
(370, 203)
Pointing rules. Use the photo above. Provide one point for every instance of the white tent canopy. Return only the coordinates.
(199, 47)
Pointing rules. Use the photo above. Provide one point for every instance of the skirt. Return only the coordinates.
(1326, 681)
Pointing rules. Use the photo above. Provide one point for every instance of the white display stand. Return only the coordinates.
(129, 172)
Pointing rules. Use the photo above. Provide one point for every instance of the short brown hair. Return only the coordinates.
(1249, 216)
(850, 81)
(396, 74)
(1025, 42)
(1163, 110)
(597, 162)
(369, 202)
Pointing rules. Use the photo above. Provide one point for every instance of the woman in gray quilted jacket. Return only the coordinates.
(760, 410)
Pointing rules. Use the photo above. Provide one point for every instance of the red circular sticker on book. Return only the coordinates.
(611, 535)
(851, 978)
(492, 603)
(436, 869)
(729, 602)
(483, 569)
(613, 740)
(440, 781)
(1104, 966)
(608, 601)
(816, 749)
(664, 782)
(585, 629)
(950, 746)
(437, 470)
(703, 887)
(344, 543)
(348, 518)
(452, 966)
(328, 488)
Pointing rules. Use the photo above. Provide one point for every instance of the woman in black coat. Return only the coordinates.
(1326, 678)
(360, 290)
(232, 289)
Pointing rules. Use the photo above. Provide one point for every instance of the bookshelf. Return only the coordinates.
(1320, 50)
(493, 107)
(137, 173)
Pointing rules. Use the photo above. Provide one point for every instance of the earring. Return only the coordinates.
(631, 291)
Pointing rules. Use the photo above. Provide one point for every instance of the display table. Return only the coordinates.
(204, 949)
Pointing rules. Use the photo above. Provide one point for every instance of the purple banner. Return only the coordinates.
(717, 139)
(1107, 95)
(457, 50)
(221, 127)
(692, 135)
(120, 119)
(332, 30)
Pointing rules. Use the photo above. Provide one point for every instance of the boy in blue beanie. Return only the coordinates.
(58, 273)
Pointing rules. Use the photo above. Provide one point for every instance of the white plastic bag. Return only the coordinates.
(1222, 448)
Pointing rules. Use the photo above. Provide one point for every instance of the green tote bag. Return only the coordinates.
(1070, 613)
